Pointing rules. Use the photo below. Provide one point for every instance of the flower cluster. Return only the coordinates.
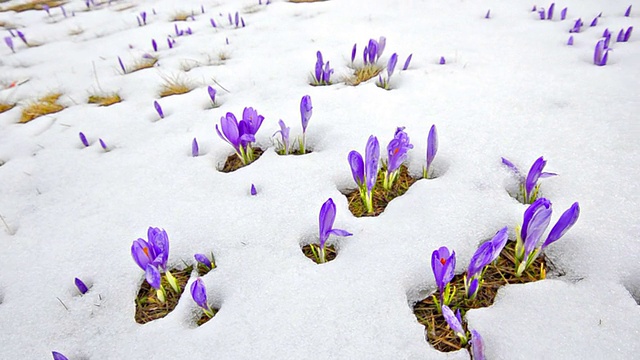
(325, 225)
(151, 255)
(529, 187)
(323, 71)
(365, 169)
(241, 135)
(484, 255)
(536, 220)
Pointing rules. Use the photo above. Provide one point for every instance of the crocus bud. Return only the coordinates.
(194, 148)
(9, 41)
(204, 260)
(58, 356)
(82, 287)
(103, 145)
(212, 94)
(154, 45)
(407, 62)
(158, 109)
(254, 192)
(628, 12)
(442, 60)
(83, 139)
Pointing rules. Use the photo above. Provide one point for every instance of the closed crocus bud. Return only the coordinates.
(195, 151)
(158, 109)
(212, 94)
(254, 192)
(58, 356)
(82, 287)
(442, 60)
(83, 138)
(203, 259)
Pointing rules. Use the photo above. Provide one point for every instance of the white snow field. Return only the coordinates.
(511, 87)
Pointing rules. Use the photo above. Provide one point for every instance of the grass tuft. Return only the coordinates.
(181, 16)
(6, 107)
(498, 274)
(381, 197)
(330, 250)
(104, 99)
(43, 106)
(234, 163)
(34, 5)
(149, 308)
(362, 74)
(175, 85)
(143, 63)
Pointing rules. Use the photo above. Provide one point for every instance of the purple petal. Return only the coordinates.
(627, 33)
(511, 166)
(563, 14)
(620, 37)
(213, 23)
(83, 139)
(212, 94)
(254, 192)
(530, 212)
(340, 232)
(407, 62)
(480, 259)
(357, 167)
(372, 157)
(452, 320)
(594, 22)
(82, 287)
(252, 119)
(382, 42)
(391, 65)
(570, 41)
(306, 109)
(158, 109)
(58, 356)
(195, 151)
(203, 259)
(628, 12)
(9, 41)
(229, 125)
(141, 253)
(103, 144)
(442, 60)
(353, 52)
(550, 11)
(499, 241)
(326, 73)
(536, 227)
(153, 276)
(488, 14)
(566, 221)
(326, 219)
(473, 287)
(533, 175)
(477, 346)
(199, 293)
(432, 145)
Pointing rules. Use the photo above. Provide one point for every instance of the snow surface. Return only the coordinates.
(511, 87)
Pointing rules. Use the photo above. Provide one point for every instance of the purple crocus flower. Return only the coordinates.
(83, 139)
(600, 54)
(199, 293)
(212, 94)
(237, 18)
(372, 157)
(124, 69)
(396, 155)
(536, 220)
(195, 151)
(570, 41)
(382, 43)
(627, 33)
(143, 16)
(620, 37)
(82, 287)
(325, 224)
(542, 13)
(353, 52)
(563, 14)
(213, 23)
(284, 134)
(535, 173)
(407, 62)
(158, 109)
(486, 254)
(103, 145)
(432, 149)
(242, 22)
(550, 11)
(442, 60)
(170, 43)
(318, 69)
(22, 37)
(306, 109)
(594, 22)
(488, 14)
(230, 19)
(232, 134)
(204, 260)
(477, 346)
(534, 8)
(628, 12)
(391, 65)
(566, 221)
(576, 26)
(357, 168)
(58, 356)
(326, 74)
(154, 45)
(254, 192)
(455, 323)
(443, 265)
(154, 251)
(371, 51)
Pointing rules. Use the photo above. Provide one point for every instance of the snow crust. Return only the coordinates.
(511, 87)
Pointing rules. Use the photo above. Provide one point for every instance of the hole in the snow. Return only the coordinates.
(149, 307)
(313, 252)
(234, 162)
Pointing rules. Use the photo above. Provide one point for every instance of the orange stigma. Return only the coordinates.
(442, 261)
(146, 251)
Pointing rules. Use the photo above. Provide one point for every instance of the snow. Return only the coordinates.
(511, 87)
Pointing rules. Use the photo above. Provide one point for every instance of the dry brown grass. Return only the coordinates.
(176, 85)
(149, 308)
(34, 5)
(43, 106)
(363, 74)
(104, 99)
(6, 107)
(381, 197)
(330, 251)
(181, 16)
(143, 63)
(234, 163)
(497, 275)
